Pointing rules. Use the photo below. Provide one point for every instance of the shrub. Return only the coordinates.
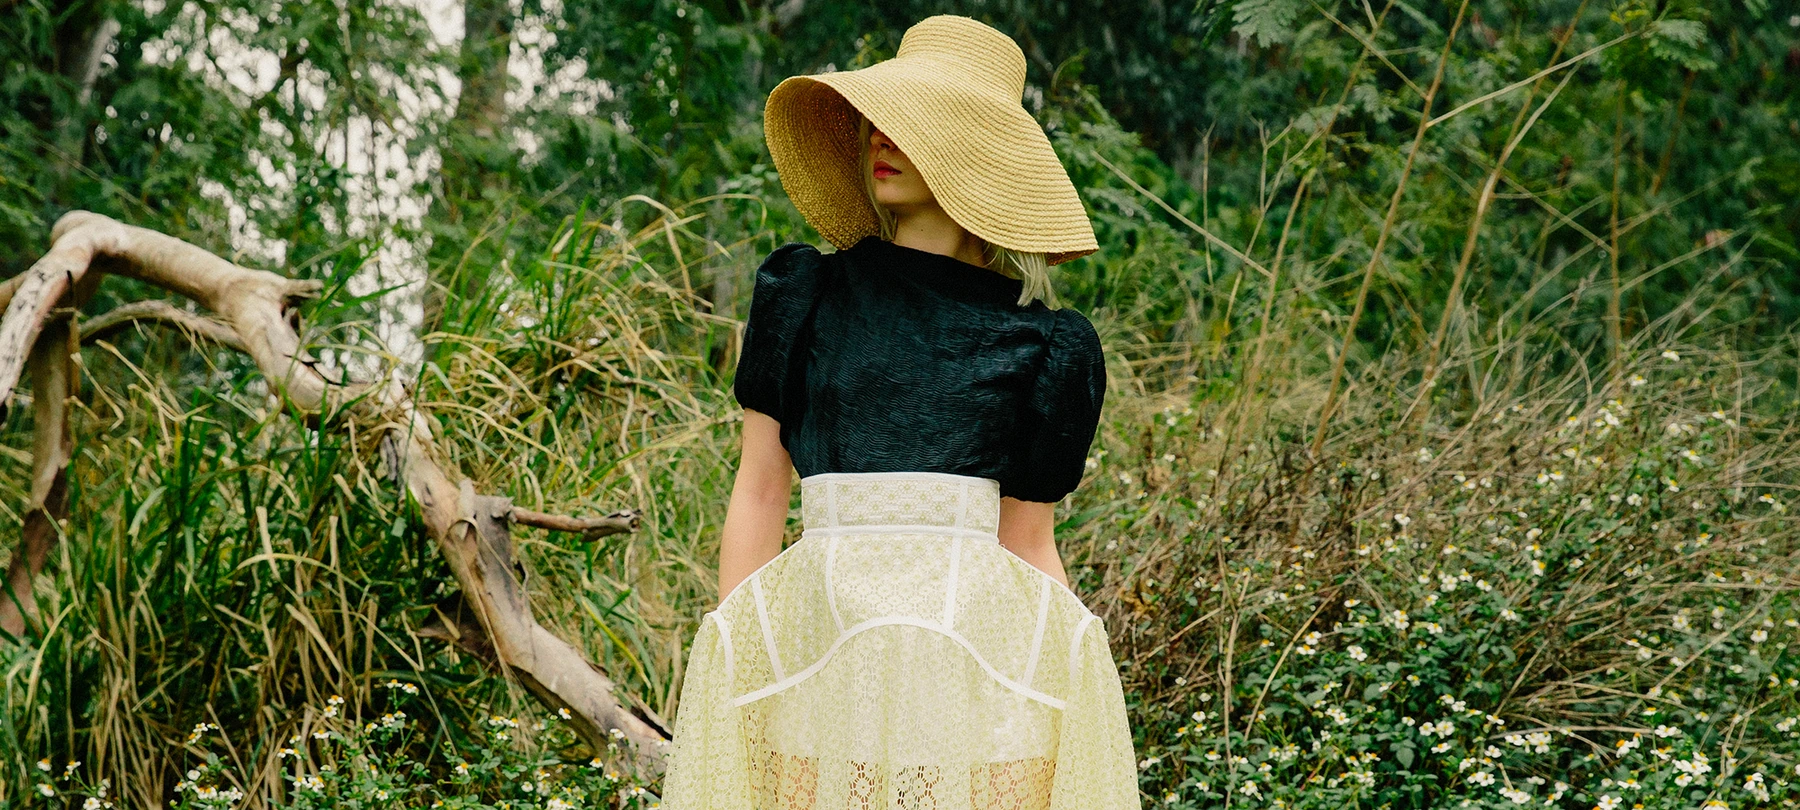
(508, 763)
(1568, 603)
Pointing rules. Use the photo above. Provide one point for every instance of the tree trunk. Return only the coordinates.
(81, 41)
(474, 157)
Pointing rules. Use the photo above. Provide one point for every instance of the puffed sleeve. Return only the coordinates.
(1065, 404)
(787, 287)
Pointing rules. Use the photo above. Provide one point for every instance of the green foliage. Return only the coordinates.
(1268, 22)
(266, 567)
(505, 767)
(234, 567)
(1528, 607)
(182, 120)
(340, 763)
(1231, 99)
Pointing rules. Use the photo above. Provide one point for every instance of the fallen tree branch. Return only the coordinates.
(52, 382)
(615, 523)
(472, 531)
(162, 313)
(452, 620)
(44, 283)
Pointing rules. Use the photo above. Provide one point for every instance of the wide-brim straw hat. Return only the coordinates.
(951, 100)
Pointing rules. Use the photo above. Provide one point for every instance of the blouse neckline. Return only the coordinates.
(937, 270)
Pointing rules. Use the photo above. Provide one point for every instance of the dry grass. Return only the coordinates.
(229, 566)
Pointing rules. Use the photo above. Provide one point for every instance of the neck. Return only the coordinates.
(933, 231)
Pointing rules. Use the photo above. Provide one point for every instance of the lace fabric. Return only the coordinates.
(896, 656)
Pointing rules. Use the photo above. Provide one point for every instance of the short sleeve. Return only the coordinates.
(1065, 403)
(787, 287)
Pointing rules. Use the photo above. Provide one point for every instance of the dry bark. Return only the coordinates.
(52, 382)
(251, 310)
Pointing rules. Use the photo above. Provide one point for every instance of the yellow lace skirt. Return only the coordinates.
(896, 656)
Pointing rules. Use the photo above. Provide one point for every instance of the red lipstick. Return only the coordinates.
(883, 169)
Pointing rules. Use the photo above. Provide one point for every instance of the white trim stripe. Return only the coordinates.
(762, 615)
(1075, 647)
(831, 589)
(784, 684)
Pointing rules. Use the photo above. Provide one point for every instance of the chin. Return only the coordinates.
(894, 200)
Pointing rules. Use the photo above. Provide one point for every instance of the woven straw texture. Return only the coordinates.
(950, 99)
(897, 656)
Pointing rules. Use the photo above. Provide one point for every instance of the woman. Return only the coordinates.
(918, 646)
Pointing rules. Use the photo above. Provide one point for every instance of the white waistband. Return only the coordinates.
(890, 502)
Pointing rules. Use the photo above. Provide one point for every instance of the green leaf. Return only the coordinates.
(1683, 42)
(1267, 21)
(1686, 32)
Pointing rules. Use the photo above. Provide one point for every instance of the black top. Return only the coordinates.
(885, 358)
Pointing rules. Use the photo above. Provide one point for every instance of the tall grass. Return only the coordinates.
(229, 565)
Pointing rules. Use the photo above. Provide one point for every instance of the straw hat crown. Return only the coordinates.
(983, 58)
(950, 99)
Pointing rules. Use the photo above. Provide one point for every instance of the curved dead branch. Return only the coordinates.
(42, 286)
(252, 307)
(615, 523)
(162, 313)
(52, 382)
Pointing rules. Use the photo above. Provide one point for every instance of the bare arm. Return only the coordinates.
(1028, 529)
(757, 516)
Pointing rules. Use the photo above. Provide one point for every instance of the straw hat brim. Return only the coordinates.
(985, 159)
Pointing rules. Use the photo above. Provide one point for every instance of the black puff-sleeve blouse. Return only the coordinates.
(885, 358)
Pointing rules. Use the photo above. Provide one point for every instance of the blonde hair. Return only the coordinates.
(1031, 269)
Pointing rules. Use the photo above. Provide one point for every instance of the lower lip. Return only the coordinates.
(883, 174)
